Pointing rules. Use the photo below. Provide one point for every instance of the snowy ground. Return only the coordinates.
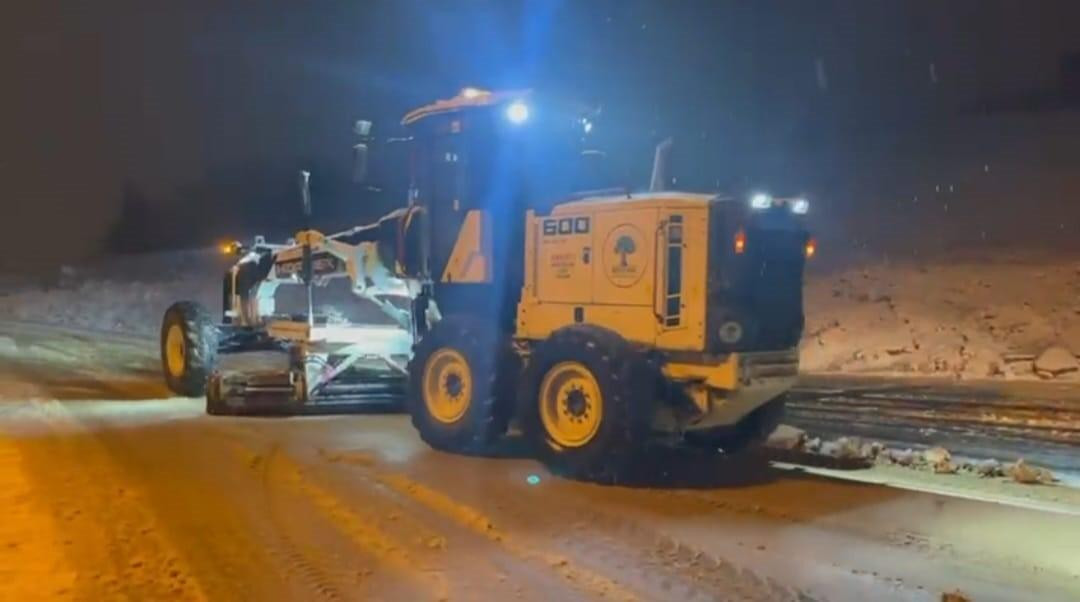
(972, 316)
(112, 490)
(968, 316)
(125, 294)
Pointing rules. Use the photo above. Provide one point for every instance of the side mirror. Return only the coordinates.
(362, 129)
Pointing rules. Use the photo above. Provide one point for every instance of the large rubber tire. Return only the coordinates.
(627, 384)
(492, 369)
(189, 344)
(747, 434)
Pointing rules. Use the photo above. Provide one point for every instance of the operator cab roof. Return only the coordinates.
(467, 98)
(641, 200)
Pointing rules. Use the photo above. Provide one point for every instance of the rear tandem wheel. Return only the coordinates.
(588, 399)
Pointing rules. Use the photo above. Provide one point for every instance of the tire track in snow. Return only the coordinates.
(111, 535)
(31, 550)
(428, 537)
(578, 577)
(298, 559)
(591, 554)
(359, 527)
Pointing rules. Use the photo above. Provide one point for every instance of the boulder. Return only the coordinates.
(903, 457)
(1022, 472)
(988, 468)
(787, 437)
(870, 450)
(936, 455)
(945, 468)
(843, 448)
(1056, 361)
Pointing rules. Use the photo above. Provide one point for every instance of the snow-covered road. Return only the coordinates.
(112, 490)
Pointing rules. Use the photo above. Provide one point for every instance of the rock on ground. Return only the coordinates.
(1022, 472)
(988, 468)
(787, 437)
(936, 455)
(903, 457)
(844, 448)
(1056, 361)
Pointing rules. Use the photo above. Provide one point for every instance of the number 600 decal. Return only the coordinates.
(566, 225)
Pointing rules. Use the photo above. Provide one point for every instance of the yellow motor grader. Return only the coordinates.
(594, 321)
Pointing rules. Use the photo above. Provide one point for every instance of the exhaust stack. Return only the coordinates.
(659, 179)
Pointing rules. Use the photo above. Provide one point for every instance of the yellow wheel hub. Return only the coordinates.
(175, 350)
(571, 406)
(447, 385)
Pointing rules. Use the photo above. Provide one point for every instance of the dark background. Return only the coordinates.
(915, 126)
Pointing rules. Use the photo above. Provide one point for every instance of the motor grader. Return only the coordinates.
(592, 322)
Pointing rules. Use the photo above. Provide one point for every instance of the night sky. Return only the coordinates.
(106, 97)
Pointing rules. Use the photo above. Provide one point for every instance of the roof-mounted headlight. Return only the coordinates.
(517, 112)
(760, 200)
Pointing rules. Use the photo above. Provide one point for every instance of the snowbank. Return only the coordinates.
(968, 317)
(124, 294)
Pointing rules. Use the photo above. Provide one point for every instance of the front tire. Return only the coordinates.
(589, 401)
(188, 348)
(457, 394)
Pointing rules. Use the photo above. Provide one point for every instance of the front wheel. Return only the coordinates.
(189, 340)
(588, 402)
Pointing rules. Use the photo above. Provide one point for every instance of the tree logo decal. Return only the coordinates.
(624, 246)
(624, 259)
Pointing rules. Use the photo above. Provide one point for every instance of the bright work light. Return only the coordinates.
(517, 112)
(760, 201)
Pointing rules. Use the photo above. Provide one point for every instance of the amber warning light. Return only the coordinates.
(740, 242)
(811, 248)
(233, 247)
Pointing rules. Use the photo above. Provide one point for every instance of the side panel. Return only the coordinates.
(645, 277)
(567, 274)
